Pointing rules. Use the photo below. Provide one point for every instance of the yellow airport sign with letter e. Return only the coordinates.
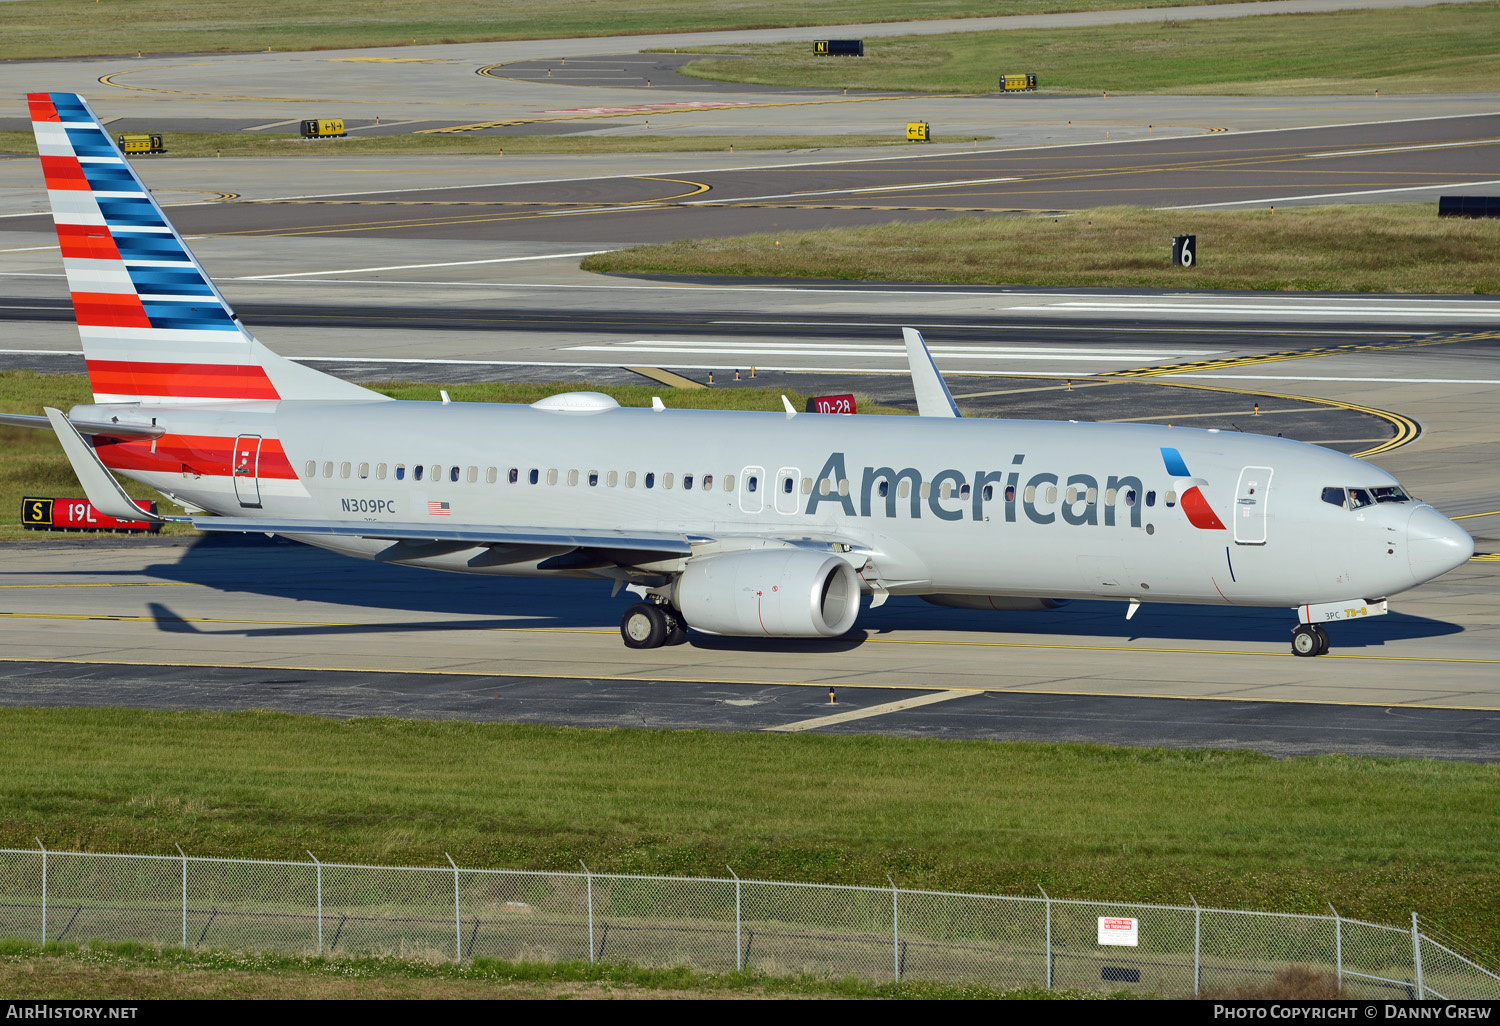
(918, 131)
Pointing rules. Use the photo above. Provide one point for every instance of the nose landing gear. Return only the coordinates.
(1309, 640)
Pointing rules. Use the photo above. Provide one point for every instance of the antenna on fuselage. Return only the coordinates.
(933, 397)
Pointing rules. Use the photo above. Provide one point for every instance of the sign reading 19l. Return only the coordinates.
(51, 514)
(831, 404)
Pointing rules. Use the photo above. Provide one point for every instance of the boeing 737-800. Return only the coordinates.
(752, 524)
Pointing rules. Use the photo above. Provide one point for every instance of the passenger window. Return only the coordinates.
(380, 471)
(611, 479)
(885, 488)
(989, 492)
(1010, 493)
(666, 480)
(572, 478)
(552, 477)
(473, 475)
(687, 482)
(753, 482)
(1031, 493)
(312, 469)
(1150, 498)
(453, 474)
(1333, 496)
(650, 480)
(416, 472)
(1130, 497)
(1092, 496)
(843, 486)
(630, 479)
(1170, 499)
(1051, 494)
(535, 476)
(926, 490)
(787, 484)
(729, 482)
(903, 489)
(437, 473)
(328, 469)
(824, 487)
(400, 472)
(1072, 496)
(593, 479)
(1109, 496)
(514, 475)
(963, 492)
(708, 482)
(364, 471)
(491, 474)
(344, 469)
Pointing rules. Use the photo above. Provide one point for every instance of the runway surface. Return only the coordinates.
(239, 625)
(1402, 161)
(465, 269)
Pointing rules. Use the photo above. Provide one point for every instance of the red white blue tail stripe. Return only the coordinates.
(1199, 513)
(154, 327)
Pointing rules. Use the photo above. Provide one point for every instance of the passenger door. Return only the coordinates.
(1251, 506)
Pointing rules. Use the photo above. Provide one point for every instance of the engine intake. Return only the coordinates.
(788, 593)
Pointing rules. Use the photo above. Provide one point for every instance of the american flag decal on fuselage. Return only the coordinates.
(153, 326)
(439, 509)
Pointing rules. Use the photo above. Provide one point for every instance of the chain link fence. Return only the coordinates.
(718, 924)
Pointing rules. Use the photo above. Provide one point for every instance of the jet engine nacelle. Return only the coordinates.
(789, 593)
(995, 602)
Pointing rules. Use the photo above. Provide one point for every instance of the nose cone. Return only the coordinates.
(1435, 544)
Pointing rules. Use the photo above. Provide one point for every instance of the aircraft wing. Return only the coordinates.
(630, 541)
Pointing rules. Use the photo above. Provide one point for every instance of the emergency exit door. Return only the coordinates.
(247, 470)
(1251, 506)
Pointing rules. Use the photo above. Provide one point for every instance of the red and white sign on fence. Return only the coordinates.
(1119, 931)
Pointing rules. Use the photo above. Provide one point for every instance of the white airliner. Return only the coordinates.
(751, 524)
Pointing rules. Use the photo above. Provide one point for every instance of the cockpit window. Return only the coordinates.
(1333, 496)
(1390, 493)
(1359, 498)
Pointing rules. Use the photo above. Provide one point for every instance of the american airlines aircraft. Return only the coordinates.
(752, 524)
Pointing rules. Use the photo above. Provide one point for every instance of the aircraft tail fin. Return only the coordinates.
(933, 397)
(154, 327)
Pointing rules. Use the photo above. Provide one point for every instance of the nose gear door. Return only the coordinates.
(1251, 506)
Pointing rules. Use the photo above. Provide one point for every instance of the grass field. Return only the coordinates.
(1375, 248)
(1444, 49)
(1377, 837)
(32, 462)
(250, 144)
(65, 28)
(130, 971)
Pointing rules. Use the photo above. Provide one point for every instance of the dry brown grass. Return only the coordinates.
(1376, 248)
(1293, 983)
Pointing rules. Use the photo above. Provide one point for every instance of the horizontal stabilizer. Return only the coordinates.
(933, 397)
(103, 491)
(86, 427)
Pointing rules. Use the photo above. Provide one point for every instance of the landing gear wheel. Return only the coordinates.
(676, 628)
(644, 626)
(1306, 642)
(1322, 640)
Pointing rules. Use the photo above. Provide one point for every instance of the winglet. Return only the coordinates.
(98, 484)
(933, 397)
(791, 411)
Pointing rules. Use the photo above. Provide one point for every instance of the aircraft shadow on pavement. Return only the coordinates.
(300, 574)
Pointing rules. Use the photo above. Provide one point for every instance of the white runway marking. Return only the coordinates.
(846, 192)
(868, 711)
(413, 267)
(889, 352)
(1332, 195)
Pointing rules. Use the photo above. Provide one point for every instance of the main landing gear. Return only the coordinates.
(1309, 640)
(651, 625)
